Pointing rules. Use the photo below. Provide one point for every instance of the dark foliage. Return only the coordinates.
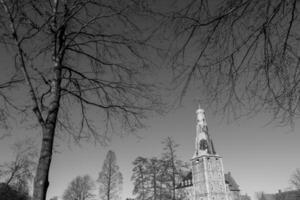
(9, 193)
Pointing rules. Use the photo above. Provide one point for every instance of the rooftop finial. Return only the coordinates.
(200, 115)
(199, 104)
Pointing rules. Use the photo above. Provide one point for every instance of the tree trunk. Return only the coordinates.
(109, 179)
(41, 181)
(41, 178)
(173, 176)
(154, 186)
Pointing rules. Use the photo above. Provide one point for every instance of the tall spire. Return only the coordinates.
(203, 143)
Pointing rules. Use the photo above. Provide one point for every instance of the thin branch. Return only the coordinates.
(14, 34)
(289, 28)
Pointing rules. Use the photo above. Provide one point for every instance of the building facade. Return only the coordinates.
(206, 180)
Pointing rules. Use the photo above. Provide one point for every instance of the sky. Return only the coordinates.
(260, 158)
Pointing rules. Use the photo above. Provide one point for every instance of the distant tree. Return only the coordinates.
(153, 171)
(164, 181)
(295, 179)
(283, 196)
(149, 181)
(172, 162)
(19, 173)
(158, 184)
(156, 178)
(260, 196)
(110, 178)
(81, 188)
(245, 197)
(140, 178)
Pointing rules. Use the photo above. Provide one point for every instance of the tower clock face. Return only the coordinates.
(203, 144)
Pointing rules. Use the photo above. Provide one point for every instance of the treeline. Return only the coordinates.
(109, 180)
(156, 178)
(17, 175)
(153, 178)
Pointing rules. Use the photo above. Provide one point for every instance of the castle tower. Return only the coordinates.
(207, 166)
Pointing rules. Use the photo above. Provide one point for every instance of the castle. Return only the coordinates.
(206, 180)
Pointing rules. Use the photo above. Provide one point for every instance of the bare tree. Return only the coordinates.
(19, 172)
(260, 196)
(295, 179)
(245, 197)
(81, 188)
(164, 180)
(157, 178)
(173, 164)
(243, 54)
(74, 58)
(154, 169)
(110, 178)
(140, 178)
(150, 177)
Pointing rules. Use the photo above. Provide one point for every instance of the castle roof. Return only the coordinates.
(233, 186)
(187, 181)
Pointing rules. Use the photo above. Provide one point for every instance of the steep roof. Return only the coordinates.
(233, 186)
(187, 181)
